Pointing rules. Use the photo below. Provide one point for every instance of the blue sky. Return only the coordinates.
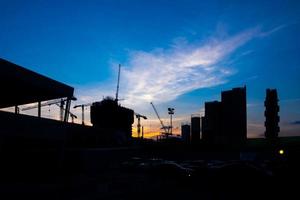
(175, 53)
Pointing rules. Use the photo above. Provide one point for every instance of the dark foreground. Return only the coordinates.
(144, 173)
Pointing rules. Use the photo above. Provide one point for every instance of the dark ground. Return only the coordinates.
(147, 173)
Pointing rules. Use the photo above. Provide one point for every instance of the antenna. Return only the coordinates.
(117, 93)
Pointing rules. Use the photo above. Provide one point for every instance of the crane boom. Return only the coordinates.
(88, 104)
(161, 122)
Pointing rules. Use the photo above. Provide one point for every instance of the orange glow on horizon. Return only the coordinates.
(148, 133)
(151, 132)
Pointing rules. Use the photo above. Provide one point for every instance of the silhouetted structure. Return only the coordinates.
(139, 116)
(116, 121)
(20, 86)
(225, 122)
(211, 123)
(271, 114)
(195, 129)
(234, 115)
(186, 133)
(18, 131)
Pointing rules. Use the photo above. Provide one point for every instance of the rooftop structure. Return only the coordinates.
(19, 86)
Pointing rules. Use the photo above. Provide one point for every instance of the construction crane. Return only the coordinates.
(166, 128)
(139, 116)
(117, 92)
(82, 110)
(59, 102)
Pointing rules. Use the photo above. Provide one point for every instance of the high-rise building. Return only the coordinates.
(234, 115)
(211, 123)
(186, 133)
(225, 122)
(195, 129)
(271, 114)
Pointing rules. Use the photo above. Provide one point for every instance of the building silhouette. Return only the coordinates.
(225, 122)
(114, 119)
(211, 123)
(195, 129)
(271, 114)
(234, 115)
(186, 133)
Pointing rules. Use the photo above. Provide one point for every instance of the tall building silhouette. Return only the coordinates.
(211, 123)
(271, 114)
(186, 133)
(195, 129)
(234, 114)
(226, 121)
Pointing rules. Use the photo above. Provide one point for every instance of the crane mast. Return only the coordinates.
(139, 116)
(117, 93)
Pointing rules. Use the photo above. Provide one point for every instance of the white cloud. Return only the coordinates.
(163, 75)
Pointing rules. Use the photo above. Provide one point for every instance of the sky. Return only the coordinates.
(176, 54)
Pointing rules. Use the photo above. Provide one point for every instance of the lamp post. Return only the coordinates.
(171, 112)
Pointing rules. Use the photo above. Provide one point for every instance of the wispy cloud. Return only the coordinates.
(163, 75)
(275, 29)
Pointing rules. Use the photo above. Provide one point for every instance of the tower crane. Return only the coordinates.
(139, 116)
(166, 128)
(59, 102)
(82, 110)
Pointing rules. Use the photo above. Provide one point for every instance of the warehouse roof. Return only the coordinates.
(19, 85)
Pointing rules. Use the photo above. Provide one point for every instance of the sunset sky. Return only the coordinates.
(174, 53)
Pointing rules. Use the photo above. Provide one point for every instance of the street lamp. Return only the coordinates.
(171, 112)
